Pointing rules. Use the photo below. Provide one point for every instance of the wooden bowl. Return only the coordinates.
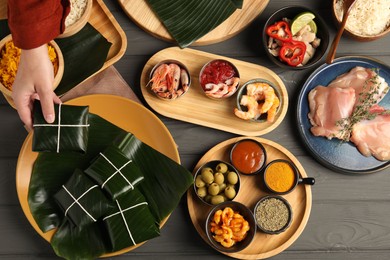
(57, 77)
(353, 34)
(80, 23)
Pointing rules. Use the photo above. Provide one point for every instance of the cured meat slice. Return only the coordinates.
(327, 107)
(372, 137)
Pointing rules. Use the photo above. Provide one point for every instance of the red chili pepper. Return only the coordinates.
(273, 30)
(292, 52)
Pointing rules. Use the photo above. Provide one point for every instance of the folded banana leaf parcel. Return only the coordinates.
(189, 20)
(91, 221)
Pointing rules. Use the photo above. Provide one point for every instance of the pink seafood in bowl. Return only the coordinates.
(169, 80)
(219, 79)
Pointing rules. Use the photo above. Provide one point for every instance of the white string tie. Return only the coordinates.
(117, 171)
(59, 127)
(76, 201)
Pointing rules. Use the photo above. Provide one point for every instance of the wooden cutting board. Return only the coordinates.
(251, 190)
(195, 107)
(140, 12)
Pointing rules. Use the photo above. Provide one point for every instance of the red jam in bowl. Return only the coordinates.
(247, 156)
(216, 71)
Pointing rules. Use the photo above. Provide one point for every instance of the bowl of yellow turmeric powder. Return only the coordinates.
(9, 62)
(281, 177)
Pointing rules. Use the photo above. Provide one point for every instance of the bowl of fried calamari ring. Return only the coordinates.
(230, 227)
(169, 80)
(9, 60)
(80, 12)
(258, 100)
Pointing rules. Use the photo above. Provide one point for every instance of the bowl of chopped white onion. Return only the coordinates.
(80, 11)
(367, 21)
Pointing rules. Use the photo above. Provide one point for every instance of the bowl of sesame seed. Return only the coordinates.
(273, 214)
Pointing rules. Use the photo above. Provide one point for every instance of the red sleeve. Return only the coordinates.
(36, 22)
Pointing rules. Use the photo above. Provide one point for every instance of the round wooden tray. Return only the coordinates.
(263, 245)
(195, 107)
(140, 12)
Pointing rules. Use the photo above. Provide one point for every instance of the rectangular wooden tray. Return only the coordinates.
(103, 21)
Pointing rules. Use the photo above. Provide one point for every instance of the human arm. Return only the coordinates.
(33, 23)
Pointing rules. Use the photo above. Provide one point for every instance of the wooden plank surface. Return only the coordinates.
(349, 216)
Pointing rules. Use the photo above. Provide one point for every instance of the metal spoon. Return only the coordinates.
(348, 4)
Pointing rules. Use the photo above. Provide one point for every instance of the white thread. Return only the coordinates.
(77, 201)
(117, 171)
(129, 208)
(124, 220)
(59, 127)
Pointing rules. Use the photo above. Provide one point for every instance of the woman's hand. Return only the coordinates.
(34, 80)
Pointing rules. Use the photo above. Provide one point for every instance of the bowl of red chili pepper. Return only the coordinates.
(219, 79)
(295, 37)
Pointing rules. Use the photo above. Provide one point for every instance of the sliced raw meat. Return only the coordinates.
(372, 137)
(362, 79)
(327, 106)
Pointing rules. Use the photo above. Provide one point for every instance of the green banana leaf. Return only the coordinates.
(131, 222)
(164, 184)
(91, 204)
(52, 170)
(84, 54)
(72, 242)
(114, 172)
(189, 20)
(68, 133)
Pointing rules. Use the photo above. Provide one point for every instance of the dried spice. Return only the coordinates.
(280, 177)
(272, 214)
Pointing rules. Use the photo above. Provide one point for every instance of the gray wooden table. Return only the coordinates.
(350, 214)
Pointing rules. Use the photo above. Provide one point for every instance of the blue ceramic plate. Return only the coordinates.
(334, 154)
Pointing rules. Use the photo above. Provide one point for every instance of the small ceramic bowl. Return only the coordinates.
(216, 181)
(245, 212)
(273, 214)
(77, 25)
(162, 91)
(268, 116)
(282, 176)
(221, 72)
(358, 36)
(290, 12)
(57, 77)
(248, 156)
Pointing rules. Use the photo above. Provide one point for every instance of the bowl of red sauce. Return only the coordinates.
(219, 79)
(248, 156)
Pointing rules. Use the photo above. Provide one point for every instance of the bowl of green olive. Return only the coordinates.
(216, 181)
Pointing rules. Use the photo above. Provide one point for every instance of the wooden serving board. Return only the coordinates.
(103, 21)
(140, 12)
(195, 107)
(263, 245)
